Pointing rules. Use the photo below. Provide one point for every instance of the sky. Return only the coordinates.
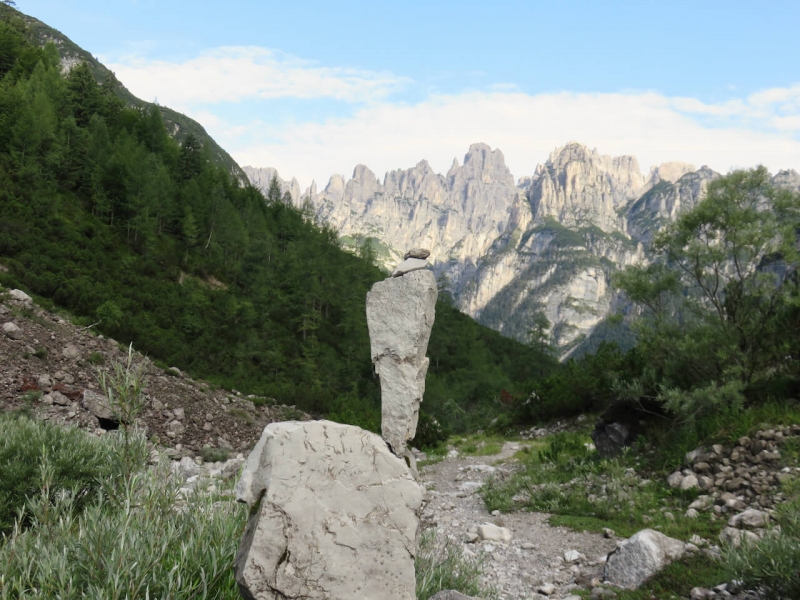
(313, 88)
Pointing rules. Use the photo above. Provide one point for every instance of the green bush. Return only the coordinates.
(211, 455)
(138, 546)
(77, 460)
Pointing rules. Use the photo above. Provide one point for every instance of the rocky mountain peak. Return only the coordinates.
(579, 187)
(669, 171)
(484, 164)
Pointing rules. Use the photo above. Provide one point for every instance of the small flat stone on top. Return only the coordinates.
(417, 253)
(408, 265)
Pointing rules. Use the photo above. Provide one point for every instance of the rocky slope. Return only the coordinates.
(507, 251)
(49, 368)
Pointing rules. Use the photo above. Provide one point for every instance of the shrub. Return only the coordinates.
(210, 454)
(137, 547)
(76, 459)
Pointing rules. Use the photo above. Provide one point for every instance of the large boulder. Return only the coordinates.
(335, 516)
(641, 556)
(400, 314)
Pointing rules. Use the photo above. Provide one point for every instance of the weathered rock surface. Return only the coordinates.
(641, 556)
(400, 314)
(335, 516)
(12, 330)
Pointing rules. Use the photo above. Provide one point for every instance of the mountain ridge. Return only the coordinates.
(507, 251)
(178, 125)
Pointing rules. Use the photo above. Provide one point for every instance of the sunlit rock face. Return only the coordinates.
(506, 251)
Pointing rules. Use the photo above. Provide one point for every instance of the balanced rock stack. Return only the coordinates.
(335, 509)
(400, 314)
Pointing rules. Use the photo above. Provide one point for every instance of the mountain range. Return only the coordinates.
(511, 250)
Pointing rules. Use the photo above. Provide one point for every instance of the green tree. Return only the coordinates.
(721, 300)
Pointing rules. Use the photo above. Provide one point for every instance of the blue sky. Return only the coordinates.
(313, 88)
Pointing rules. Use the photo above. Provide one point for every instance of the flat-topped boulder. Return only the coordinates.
(335, 516)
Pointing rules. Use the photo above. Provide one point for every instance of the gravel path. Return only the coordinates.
(530, 566)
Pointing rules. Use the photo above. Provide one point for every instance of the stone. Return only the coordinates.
(409, 265)
(421, 253)
(400, 315)
(689, 482)
(334, 515)
(20, 296)
(572, 556)
(98, 405)
(60, 399)
(45, 382)
(548, 589)
(675, 479)
(489, 532)
(610, 438)
(188, 468)
(179, 413)
(750, 518)
(452, 595)
(642, 555)
(71, 352)
(730, 536)
(231, 467)
(12, 331)
(702, 503)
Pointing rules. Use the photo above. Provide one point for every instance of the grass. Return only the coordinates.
(773, 563)
(96, 358)
(211, 455)
(677, 579)
(566, 478)
(242, 415)
(443, 567)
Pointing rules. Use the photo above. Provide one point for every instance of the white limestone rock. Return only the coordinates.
(641, 556)
(334, 516)
(12, 331)
(98, 405)
(492, 533)
(409, 265)
(20, 296)
(400, 314)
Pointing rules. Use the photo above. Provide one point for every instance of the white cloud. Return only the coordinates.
(231, 74)
(652, 127)
(385, 134)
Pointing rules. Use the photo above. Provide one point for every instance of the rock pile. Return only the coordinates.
(741, 482)
(48, 368)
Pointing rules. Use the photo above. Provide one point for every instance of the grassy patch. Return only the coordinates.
(567, 479)
(242, 415)
(478, 445)
(212, 455)
(444, 567)
(677, 579)
(773, 563)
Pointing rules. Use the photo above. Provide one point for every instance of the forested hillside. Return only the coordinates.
(153, 242)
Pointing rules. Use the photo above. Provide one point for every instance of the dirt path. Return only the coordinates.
(534, 560)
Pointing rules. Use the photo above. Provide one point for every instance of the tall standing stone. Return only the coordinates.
(400, 314)
(334, 516)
